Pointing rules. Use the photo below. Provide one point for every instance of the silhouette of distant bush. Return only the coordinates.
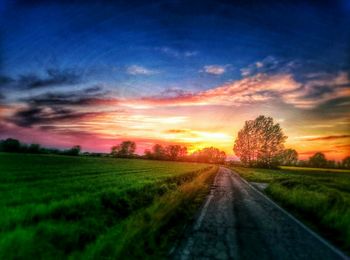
(11, 145)
(75, 150)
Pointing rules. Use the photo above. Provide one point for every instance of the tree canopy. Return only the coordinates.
(318, 160)
(260, 142)
(346, 162)
(124, 150)
(289, 157)
(168, 152)
(210, 155)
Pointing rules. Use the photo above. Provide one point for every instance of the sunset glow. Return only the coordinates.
(102, 78)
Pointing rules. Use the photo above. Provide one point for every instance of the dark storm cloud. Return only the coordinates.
(71, 98)
(2, 100)
(94, 89)
(320, 91)
(53, 107)
(320, 85)
(57, 99)
(341, 104)
(34, 115)
(4, 80)
(333, 109)
(52, 77)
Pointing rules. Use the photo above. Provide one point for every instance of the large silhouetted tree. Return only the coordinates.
(260, 142)
(124, 150)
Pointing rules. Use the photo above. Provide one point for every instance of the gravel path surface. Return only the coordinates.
(238, 222)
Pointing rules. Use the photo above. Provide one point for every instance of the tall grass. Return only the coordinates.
(57, 206)
(157, 226)
(320, 197)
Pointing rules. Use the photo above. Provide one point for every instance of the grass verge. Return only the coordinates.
(158, 226)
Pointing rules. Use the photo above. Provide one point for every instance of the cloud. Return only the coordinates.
(343, 146)
(311, 153)
(60, 99)
(93, 89)
(325, 88)
(54, 107)
(4, 80)
(89, 96)
(259, 64)
(173, 92)
(46, 117)
(190, 53)
(2, 96)
(176, 53)
(270, 65)
(214, 69)
(327, 138)
(52, 77)
(177, 131)
(139, 70)
(246, 91)
(261, 88)
(34, 115)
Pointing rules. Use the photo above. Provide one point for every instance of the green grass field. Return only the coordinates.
(321, 197)
(79, 207)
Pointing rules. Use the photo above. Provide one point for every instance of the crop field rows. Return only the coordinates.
(61, 206)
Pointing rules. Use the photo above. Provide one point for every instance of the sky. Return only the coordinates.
(95, 73)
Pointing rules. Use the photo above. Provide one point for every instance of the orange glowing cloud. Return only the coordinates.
(258, 88)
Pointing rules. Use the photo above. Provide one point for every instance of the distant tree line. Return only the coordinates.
(260, 143)
(11, 145)
(168, 152)
(124, 150)
(209, 155)
(289, 157)
(127, 149)
(319, 160)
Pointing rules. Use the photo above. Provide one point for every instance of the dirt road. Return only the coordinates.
(238, 222)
